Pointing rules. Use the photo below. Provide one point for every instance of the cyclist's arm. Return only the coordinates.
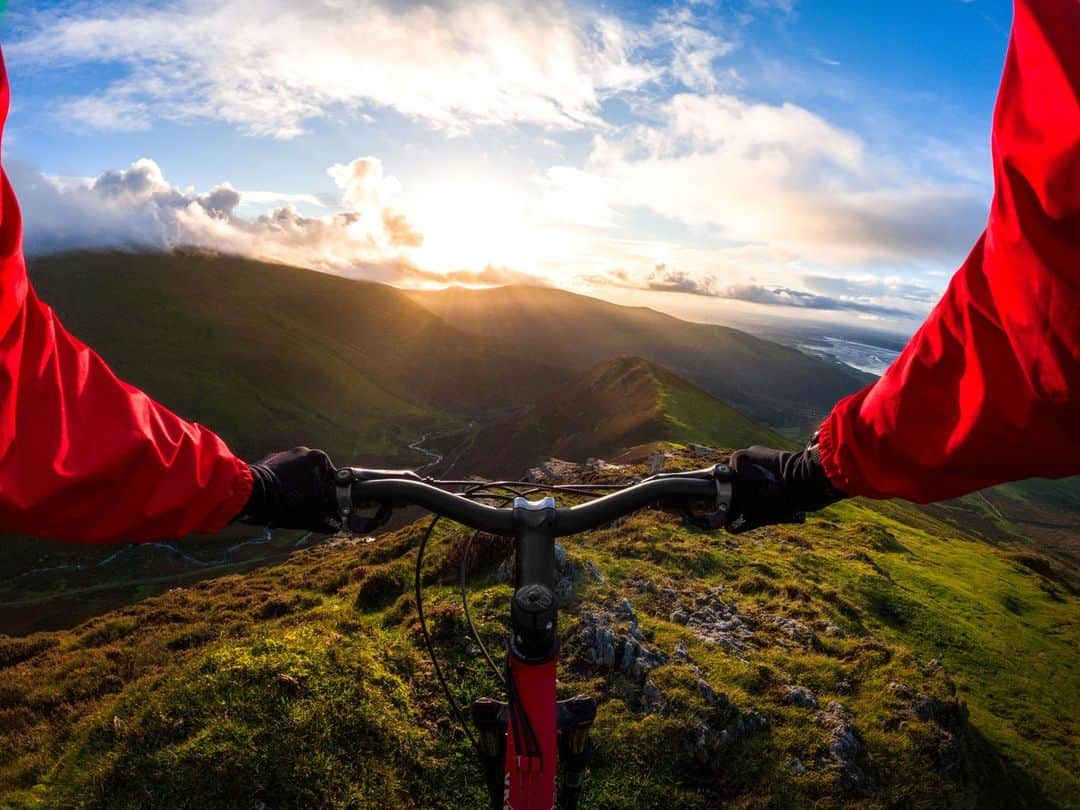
(988, 390)
(84, 456)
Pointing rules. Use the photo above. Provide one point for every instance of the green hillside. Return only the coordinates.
(854, 661)
(616, 405)
(272, 356)
(1038, 514)
(770, 383)
(878, 656)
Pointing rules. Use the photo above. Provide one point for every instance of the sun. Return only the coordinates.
(472, 220)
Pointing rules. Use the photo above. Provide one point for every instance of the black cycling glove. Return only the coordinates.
(293, 489)
(777, 486)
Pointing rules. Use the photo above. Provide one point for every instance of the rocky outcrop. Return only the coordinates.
(844, 745)
(713, 620)
(611, 641)
(568, 573)
(945, 719)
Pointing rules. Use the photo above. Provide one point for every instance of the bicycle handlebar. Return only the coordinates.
(357, 487)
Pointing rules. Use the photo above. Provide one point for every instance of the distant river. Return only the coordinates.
(863, 356)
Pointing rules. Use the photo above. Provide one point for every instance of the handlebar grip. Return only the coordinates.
(352, 475)
(346, 477)
(721, 473)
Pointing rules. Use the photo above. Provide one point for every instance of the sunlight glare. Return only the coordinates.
(472, 220)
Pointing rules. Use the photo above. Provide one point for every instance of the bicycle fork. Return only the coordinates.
(523, 739)
(575, 720)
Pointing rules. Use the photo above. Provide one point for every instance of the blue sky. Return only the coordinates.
(722, 161)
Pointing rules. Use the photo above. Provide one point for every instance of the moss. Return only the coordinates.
(381, 586)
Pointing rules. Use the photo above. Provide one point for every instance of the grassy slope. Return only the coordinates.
(770, 383)
(1038, 513)
(270, 355)
(1010, 634)
(690, 414)
(303, 685)
(613, 406)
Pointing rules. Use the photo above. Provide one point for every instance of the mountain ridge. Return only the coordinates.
(270, 355)
(613, 406)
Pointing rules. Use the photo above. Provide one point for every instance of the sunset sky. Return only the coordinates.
(717, 160)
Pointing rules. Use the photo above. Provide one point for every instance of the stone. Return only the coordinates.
(701, 743)
(751, 722)
(800, 696)
(900, 690)
(706, 692)
(925, 707)
(625, 610)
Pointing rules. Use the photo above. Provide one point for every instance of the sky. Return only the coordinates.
(725, 161)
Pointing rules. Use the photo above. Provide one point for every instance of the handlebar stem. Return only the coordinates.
(534, 611)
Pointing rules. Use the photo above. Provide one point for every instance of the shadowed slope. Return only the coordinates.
(771, 383)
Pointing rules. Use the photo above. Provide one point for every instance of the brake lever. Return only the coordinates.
(348, 516)
(722, 475)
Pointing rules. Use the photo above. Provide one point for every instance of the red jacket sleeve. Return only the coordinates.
(988, 390)
(84, 456)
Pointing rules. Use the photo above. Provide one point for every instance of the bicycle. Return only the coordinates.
(522, 740)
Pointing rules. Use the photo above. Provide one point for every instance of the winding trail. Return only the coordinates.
(435, 456)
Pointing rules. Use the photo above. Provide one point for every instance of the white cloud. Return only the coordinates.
(111, 112)
(873, 288)
(264, 197)
(850, 298)
(138, 208)
(694, 49)
(271, 66)
(778, 175)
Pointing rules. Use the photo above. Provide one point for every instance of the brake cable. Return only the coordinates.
(427, 636)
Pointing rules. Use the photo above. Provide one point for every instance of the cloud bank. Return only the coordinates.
(137, 208)
(663, 152)
(863, 296)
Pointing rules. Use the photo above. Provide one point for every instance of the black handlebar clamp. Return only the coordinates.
(534, 610)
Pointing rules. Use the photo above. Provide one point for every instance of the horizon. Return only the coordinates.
(565, 145)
